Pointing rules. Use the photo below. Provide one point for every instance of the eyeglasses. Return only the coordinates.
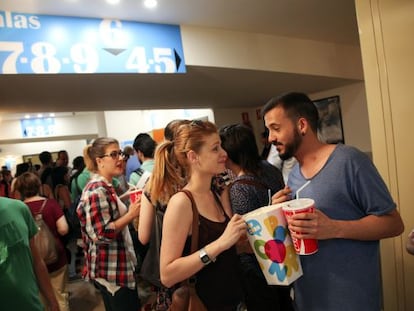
(114, 154)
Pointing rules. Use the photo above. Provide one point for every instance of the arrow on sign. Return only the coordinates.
(177, 59)
(114, 51)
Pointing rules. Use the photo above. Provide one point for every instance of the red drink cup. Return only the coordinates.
(290, 208)
(134, 195)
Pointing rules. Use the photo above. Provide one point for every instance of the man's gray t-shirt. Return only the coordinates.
(343, 274)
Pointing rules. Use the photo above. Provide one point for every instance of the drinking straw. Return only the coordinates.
(131, 188)
(300, 189)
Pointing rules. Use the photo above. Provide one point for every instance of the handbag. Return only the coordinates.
(150, 269)
(185, 297)
(44, 239)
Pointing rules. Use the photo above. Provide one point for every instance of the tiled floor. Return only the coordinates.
(84, 297)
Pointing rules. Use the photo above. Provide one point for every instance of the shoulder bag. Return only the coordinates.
(44, 239)
(150, 269)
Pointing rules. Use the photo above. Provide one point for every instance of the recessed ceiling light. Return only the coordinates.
(150, 4)
(39, 115)
(51, 115)
(113, 2)
(27, 116)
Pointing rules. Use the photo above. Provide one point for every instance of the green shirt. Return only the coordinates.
(147, 165)
(18, 283)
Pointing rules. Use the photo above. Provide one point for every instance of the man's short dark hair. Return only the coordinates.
(144, 143)
(45, 157)
(296, 105)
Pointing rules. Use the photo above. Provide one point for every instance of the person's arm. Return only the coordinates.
(410, 243)
(177, 225)
(319, 226)
(62, 226)
(133, 212)
(43, 279)
(146, 219)
(96, 212)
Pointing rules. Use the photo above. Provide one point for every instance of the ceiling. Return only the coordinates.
(322, 20)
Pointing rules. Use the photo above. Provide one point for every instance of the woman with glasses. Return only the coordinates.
(196, 151)
(109, 254)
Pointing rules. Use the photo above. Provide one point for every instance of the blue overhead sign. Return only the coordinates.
(42, 44)
(39, 127)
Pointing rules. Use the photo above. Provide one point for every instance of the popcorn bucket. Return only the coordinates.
(269, 238)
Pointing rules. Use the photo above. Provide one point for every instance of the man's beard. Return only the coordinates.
(292, 147)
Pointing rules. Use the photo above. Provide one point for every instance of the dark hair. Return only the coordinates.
(28, 185)
(78, 163)
(96, 150)
(58, 176)
(296, 105)
(128, 151)
(172, 126)
(144, 143)
(240, 144)
(60, 152)
(22, 168)
(45, 157)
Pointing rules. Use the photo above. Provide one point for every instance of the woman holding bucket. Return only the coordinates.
(197, 150)
(256, 181)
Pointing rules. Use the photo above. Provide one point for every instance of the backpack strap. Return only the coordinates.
(139, 171)
(42, 207)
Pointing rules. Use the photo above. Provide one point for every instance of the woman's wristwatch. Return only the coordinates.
(205, 258)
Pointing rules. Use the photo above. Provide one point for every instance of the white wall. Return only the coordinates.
(233, 49)
(125, 125)
(234, 115)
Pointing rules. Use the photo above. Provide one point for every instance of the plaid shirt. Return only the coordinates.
(105, 251)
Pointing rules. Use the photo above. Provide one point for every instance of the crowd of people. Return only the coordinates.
(220, 172)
